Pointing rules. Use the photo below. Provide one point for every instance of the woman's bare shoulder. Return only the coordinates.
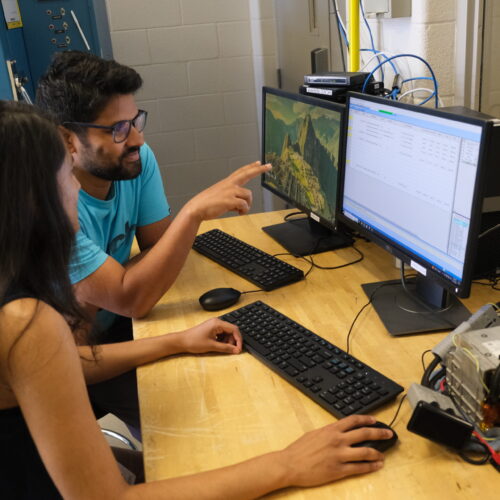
(30, 331)
(24, 314)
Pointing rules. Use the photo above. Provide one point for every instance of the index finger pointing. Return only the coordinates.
(248, 172)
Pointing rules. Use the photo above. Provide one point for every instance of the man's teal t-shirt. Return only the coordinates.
(107, 227)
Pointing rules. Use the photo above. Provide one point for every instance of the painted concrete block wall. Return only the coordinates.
(429, 33)
(201, 62)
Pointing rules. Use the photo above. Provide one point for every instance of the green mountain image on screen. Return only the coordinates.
(302, 143)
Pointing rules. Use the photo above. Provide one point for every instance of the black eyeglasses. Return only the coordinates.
(121, 129)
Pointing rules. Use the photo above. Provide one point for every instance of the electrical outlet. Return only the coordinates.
(388, 8)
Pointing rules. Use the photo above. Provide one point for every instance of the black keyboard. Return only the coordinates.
(262, 269)
(337, 381)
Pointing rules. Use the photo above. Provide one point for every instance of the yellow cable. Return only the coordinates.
(353, 35)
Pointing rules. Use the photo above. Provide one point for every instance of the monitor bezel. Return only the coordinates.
(461, 290)
(314, 101)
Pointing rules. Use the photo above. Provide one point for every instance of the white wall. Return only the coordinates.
(201, 62)
(430, 33)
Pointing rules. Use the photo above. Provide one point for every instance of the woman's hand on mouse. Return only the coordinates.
(326, 454)
(213, 335)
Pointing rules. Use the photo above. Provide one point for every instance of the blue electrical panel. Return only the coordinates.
(49, 26)
(5, 90)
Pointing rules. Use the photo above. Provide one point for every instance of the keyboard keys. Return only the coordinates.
(329, 398)
(298, 365)
(307, 361)
(337, 381)
(262, 269)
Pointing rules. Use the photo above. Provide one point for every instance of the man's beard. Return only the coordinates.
(101, 165)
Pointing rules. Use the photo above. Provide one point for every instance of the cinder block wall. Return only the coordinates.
(201, 62)
(429, 33)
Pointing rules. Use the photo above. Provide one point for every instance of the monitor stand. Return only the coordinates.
(403, 315)
(305, 236)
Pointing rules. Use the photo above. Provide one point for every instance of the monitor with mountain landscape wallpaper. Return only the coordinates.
(302, 141)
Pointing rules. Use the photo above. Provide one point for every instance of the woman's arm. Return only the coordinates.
(318, 457)
(43, 370)
(112, 360)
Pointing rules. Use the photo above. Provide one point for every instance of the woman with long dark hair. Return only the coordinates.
(50, 443)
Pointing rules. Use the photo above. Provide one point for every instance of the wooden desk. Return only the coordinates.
(203, 412)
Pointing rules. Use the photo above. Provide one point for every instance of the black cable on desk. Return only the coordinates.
(397, 411)
(429, 310)
(309, 259)
(287, 216)
(429, 370)
(493, 282)
(475, 446)
(253, 291)
(327, 268)
(422, 357)
(297, 257)
(370, 299)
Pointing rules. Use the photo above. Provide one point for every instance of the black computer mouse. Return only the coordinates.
(219, 298)
(379, 444)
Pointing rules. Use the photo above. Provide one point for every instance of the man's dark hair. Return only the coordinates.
(77, 86)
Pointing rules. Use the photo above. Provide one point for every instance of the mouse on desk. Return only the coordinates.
(379, 444)
(219, 298)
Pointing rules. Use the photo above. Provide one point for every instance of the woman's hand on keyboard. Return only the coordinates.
(213, 335)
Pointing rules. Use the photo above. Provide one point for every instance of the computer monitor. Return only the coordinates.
(413, 183)
(302, 140)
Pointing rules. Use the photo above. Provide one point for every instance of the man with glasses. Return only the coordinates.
(120, 130)
(122, 197)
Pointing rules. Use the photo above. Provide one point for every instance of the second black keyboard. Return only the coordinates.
(261, 268)
(337, 381)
